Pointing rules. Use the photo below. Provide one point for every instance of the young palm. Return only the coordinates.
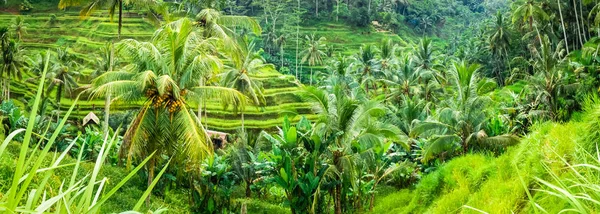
(425, 55)
(239, 76)
(19, 27)
(460, 124)
(345, 121)
(313, 54)
(406, 81)
(550, 82)
(164, 75)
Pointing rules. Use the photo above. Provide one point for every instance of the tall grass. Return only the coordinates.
(75, 194)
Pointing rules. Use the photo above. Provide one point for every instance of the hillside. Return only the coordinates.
(85, 37)
(508, 183)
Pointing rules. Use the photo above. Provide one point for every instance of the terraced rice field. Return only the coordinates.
(85, 37)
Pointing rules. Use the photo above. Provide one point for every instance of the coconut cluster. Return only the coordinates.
(166, 100)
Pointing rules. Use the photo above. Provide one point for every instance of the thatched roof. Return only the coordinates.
(91, 118)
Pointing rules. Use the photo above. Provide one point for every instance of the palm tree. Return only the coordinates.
(313, 54)
(164, 74)
(13, 60)
(528, 11)
(499, 42)
(550, 82)
(344, 121)
(19, 27)
(460, 124)
(367, 66)
(387, 55)
(62, 75)
(239, 77)
(406, 81)
(425, 55)
(106, 62)
(214, 24)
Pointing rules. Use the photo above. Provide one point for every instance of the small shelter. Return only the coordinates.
(219, 139)
(91, 118)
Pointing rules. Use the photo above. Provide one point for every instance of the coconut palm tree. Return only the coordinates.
(19, 27)
(106, 62)
(313, 54)
(239, 76)
(550, 83)
(164, 74)
(13, 60)
(367, 66)
(405, 82)
(461, 124)
(62, 75)
(499, 42)
(528, 11)
(344, 121)
(425, 54)
(214, 24)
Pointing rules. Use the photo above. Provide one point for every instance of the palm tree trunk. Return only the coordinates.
(106, 116)
(317, 7)
(297, 39)
(579, 32)
(337, 12)
(243, 120)
(563, 27)
(248, 190)
(58, 99)
(107, 99)
(582, 22)
(151, 166)
(8, 89)
(120, 18)
(311, 75)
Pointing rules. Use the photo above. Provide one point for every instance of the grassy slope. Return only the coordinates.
(493, 184)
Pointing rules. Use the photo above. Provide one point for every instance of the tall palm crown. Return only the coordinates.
(313, 54)
(19, 27)
(62, 74)
(239, 76)
(528, 11)
(164, 74)
(461, 124)
(367, 66)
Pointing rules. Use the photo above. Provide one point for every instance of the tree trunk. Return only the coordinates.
(582, 22)
(317, 7)
(151, 166)
(338, 199)
(106, 116)
(311, 75)
(297, 39)
(120, 18)
(563, 27)
(248, 190)
(337, 13)
(58, 99)
(579, 32)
